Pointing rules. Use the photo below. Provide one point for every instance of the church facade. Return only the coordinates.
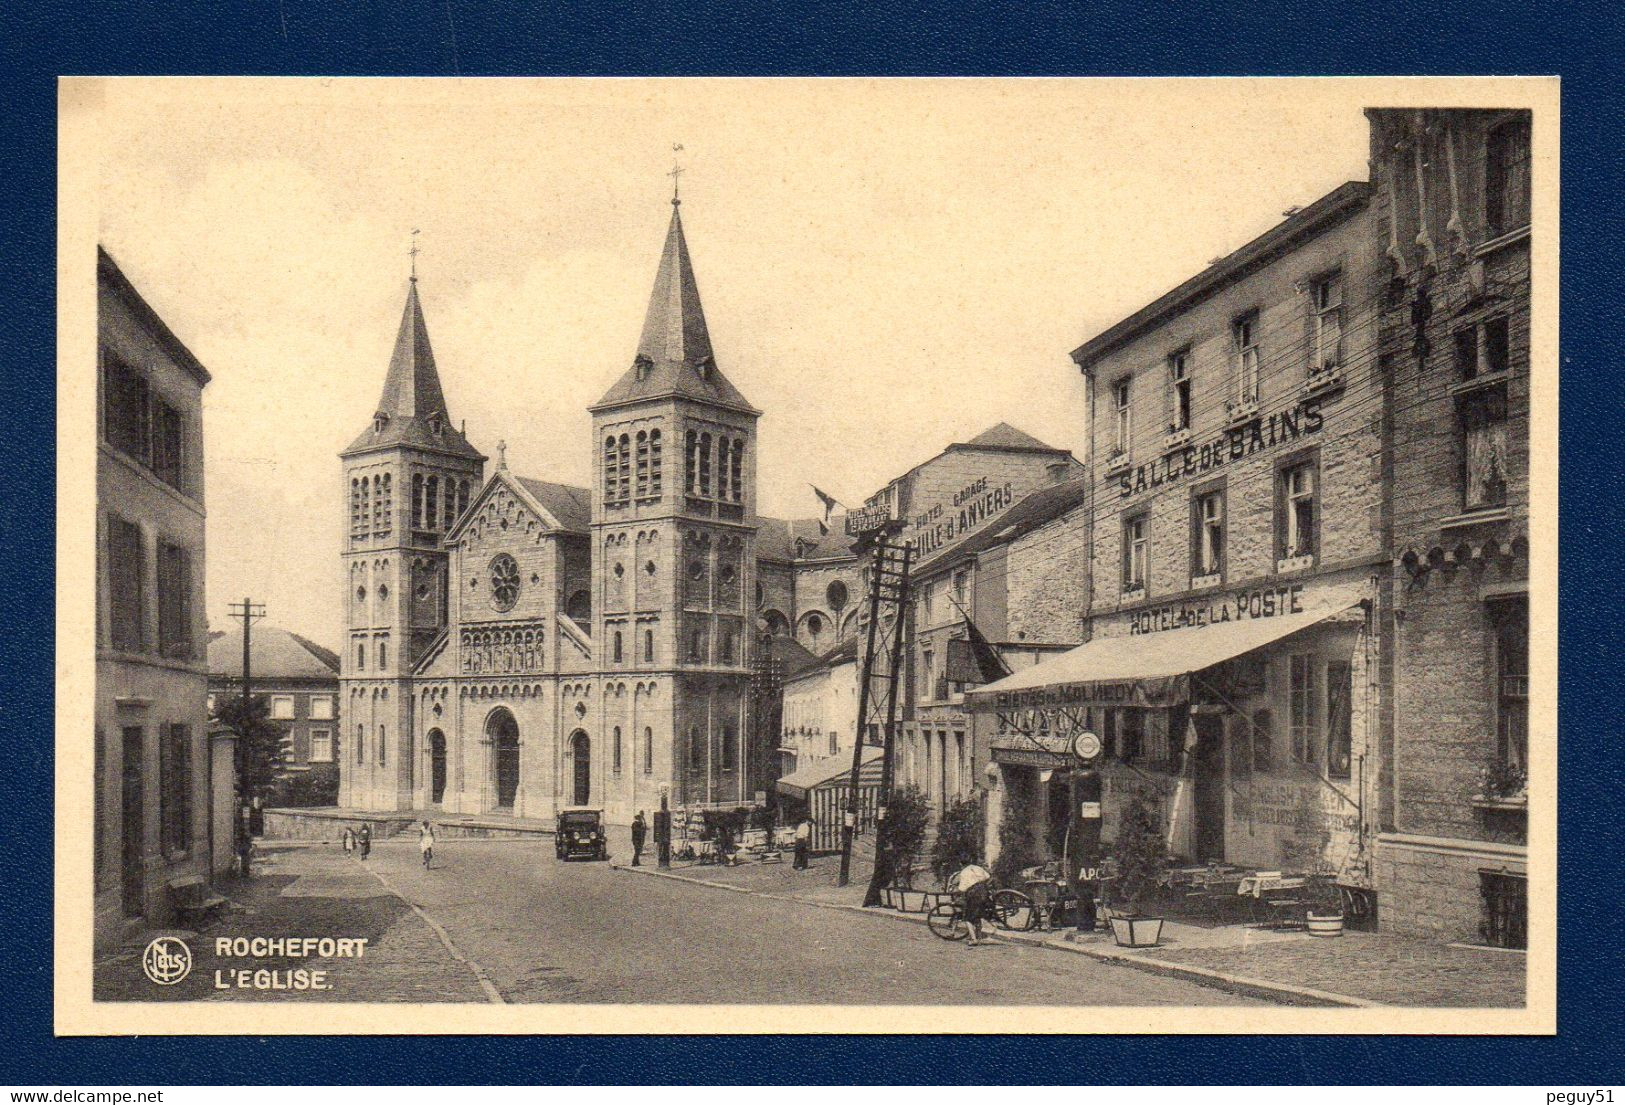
(518, 646)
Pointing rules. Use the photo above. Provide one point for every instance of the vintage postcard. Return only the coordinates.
(747, 556)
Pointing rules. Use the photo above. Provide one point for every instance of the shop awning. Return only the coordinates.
(835, 771)
(1153, 668)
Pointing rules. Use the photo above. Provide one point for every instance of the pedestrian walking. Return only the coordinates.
(349, 840)
(364, 840)
(426, 844)
(803, 842)
(976, 884)
(639, 832)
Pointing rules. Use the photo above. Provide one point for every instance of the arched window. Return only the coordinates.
(617, 646)
(648, 646)
(610, 480)
(836, 594)
(361, 655)
(366, 504)
(431, 501)
(383, 655)
(691, 464)
(723, 450)
(705, 465)
(737, 463)
(417, 500)
(389, 501)
(383, 747)
(643, 465)
(462, 497)
(451, 502)
(625, 466)
(617, 750)
(727, 750)
(654, 462)
(360, 744)
(648, 750)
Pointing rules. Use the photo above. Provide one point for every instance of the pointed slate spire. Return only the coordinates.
(674, 327)
(412, 409)
(412, 388)
(674, 354)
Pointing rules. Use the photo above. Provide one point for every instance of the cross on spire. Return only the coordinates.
(677, 171)
(413, 252)
(502, 454)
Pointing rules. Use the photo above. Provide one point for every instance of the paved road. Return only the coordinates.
(583, 932)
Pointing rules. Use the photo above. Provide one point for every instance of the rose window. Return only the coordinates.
(504, 582)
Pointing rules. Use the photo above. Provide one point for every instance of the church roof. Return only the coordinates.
(274, 653)
(412, 396)
(674, 357)
(572, 506)
(778, 539)
(1006, 437)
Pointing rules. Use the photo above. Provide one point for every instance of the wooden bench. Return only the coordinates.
(193, 901)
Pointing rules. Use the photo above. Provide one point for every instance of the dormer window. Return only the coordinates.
(642, 366)
(704, 366)
(436, 424)
(379, 421)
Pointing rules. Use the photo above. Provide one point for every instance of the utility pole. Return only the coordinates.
(248, 612)
(888, 588)
(896, 579)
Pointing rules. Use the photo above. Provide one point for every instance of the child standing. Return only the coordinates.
(426, 844)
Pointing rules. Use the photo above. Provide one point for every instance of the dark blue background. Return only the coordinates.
(41, 40)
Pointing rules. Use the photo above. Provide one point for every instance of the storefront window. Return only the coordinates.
(1131, 734)
(1263, 738)
(1339, 717)
(1303, 708)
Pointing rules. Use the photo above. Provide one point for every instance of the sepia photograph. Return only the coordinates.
(807, 555)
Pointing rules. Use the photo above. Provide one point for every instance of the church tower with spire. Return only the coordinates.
(674, 562)
(406, 479)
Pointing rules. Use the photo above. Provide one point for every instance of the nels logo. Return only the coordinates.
(167, 960)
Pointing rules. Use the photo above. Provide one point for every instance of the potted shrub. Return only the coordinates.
(1140, 857)
(907, 815)
(1323, 906)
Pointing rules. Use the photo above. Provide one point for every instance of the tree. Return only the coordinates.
(1141, 851)
(1017, 847)
(907, 816)
(261, 744)
(959, 838)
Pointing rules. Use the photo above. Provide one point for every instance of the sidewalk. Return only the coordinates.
(301, 890)
(1356, 969)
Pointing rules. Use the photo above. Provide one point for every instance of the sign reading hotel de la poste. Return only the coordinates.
(1236, 443)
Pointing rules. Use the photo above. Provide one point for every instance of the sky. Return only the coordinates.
(886, 267)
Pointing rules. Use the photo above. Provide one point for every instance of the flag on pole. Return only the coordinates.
(974, 660)
(830, 503)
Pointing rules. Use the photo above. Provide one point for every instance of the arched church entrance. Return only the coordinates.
(437, 766)
(581, 768)
(502, 731)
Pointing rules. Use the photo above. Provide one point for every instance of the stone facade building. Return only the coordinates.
(1452, 214)
(153, 778)
(300, 682)
(1236, 562)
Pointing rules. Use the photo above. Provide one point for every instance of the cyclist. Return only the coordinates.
(975, 883)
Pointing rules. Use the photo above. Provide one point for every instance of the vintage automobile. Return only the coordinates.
(581, 833)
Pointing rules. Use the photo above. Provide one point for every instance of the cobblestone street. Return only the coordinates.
(299, 891)
(544, 931)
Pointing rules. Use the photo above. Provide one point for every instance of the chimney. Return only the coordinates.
(1059, 471)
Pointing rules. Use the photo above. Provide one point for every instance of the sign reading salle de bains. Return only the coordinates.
(1236, 443)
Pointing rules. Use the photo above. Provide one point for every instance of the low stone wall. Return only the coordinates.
(328, 825)
(1429, 887)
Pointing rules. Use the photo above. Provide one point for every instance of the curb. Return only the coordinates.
(1204, 976)
(492, 994)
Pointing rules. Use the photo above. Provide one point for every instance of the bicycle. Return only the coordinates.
(1010, 910)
